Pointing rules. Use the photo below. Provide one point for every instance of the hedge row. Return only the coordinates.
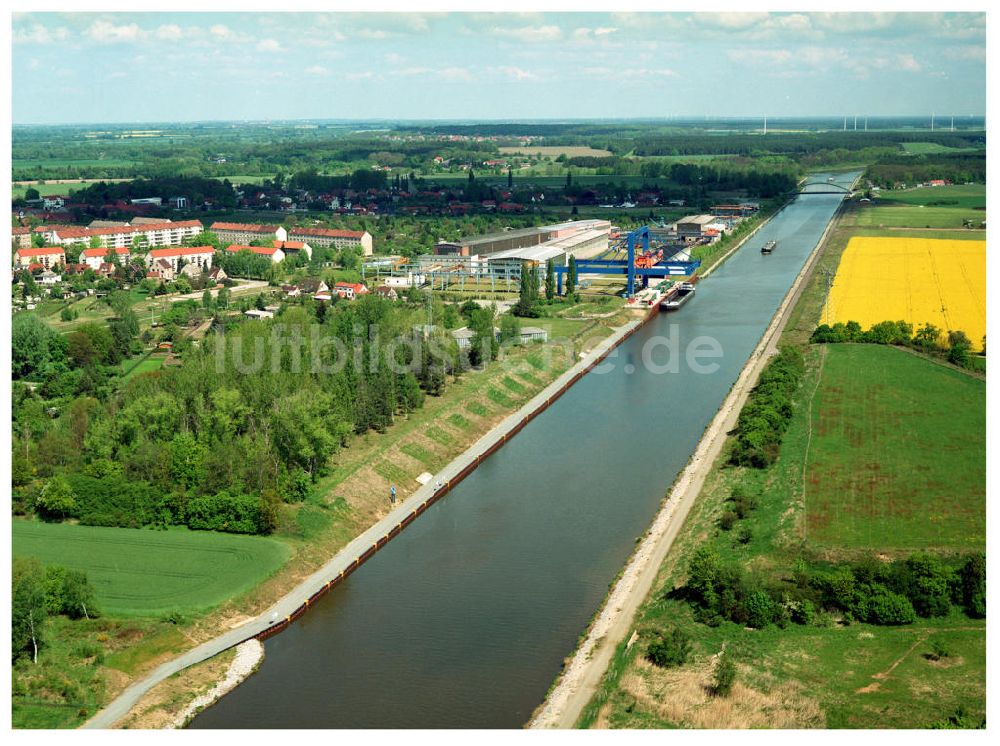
(766, 415)
(116, 501)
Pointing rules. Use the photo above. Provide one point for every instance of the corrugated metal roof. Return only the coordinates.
(540, 253)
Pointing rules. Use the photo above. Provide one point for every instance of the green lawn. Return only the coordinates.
(917, 216)
(138, 572)
(897, 458)
(133, 368)
(926, 207)
(923, 148)
(954, 195)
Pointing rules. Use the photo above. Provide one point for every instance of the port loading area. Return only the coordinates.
(656, 259)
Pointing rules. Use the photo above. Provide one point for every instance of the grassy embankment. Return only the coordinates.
(178, 609)
(846, 484)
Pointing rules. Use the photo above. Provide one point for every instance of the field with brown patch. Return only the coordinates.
(884, 453)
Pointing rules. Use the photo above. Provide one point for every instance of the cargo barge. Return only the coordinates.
(768, 247)
(683, 293)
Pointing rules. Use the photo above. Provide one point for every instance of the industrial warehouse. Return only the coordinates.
(494, 262)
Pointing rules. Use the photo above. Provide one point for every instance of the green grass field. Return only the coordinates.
(897, 458)
(923, 148)
(825, 674)
(917, 216)
(139, 572)
(926, 207)
(133, 368)
(969, 196)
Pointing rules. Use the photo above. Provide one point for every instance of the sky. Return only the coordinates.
(158, 67)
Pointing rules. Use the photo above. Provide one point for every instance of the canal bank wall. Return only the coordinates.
(580, 679)
(297, 602)
(452, 474)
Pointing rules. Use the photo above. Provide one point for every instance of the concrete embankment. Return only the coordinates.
(294, 604)
(581, 677)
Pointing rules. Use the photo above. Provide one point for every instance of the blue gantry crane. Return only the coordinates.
(652, 263)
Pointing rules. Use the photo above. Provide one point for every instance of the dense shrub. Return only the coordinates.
(724, 677)
(882, 606)
(670, 649)
(117, 501)
(972, 584)
(927, 582)
(766, 415)
(238, 514)
(727, 520)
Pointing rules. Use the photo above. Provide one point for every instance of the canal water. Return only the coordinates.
(465, 618)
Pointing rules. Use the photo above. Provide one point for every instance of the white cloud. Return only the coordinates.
(792, 22)
(39, 34)
(394, 59)
(107, 32)
(455, 73)
(760, 56)
(854, 23)
(591, 34)
(220, 31)
(317, 70)
(268, 45)
(373, 34)
(360, 76)
(412, 71)
(975, 53)
(516, 73)
(908, 63)
(170, 32)
(530, 34)
(116, 75)
(447, 73)
(629, 73)
(733, 20)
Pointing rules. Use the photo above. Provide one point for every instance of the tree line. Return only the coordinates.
(955, 346)
(959, 168)
(869, 590)
(768, 411)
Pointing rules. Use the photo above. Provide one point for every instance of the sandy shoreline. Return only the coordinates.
(580, 679)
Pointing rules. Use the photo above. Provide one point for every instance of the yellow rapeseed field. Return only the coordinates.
(919, 280)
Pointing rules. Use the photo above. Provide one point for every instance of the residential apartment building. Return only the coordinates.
(48, 257)
(94, 258)
(246, 233)
(199, 255)
(273, 253)
(339, 239)
(151, 234)
(21, 237)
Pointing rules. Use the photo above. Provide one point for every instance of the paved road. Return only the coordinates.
(346, 557)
